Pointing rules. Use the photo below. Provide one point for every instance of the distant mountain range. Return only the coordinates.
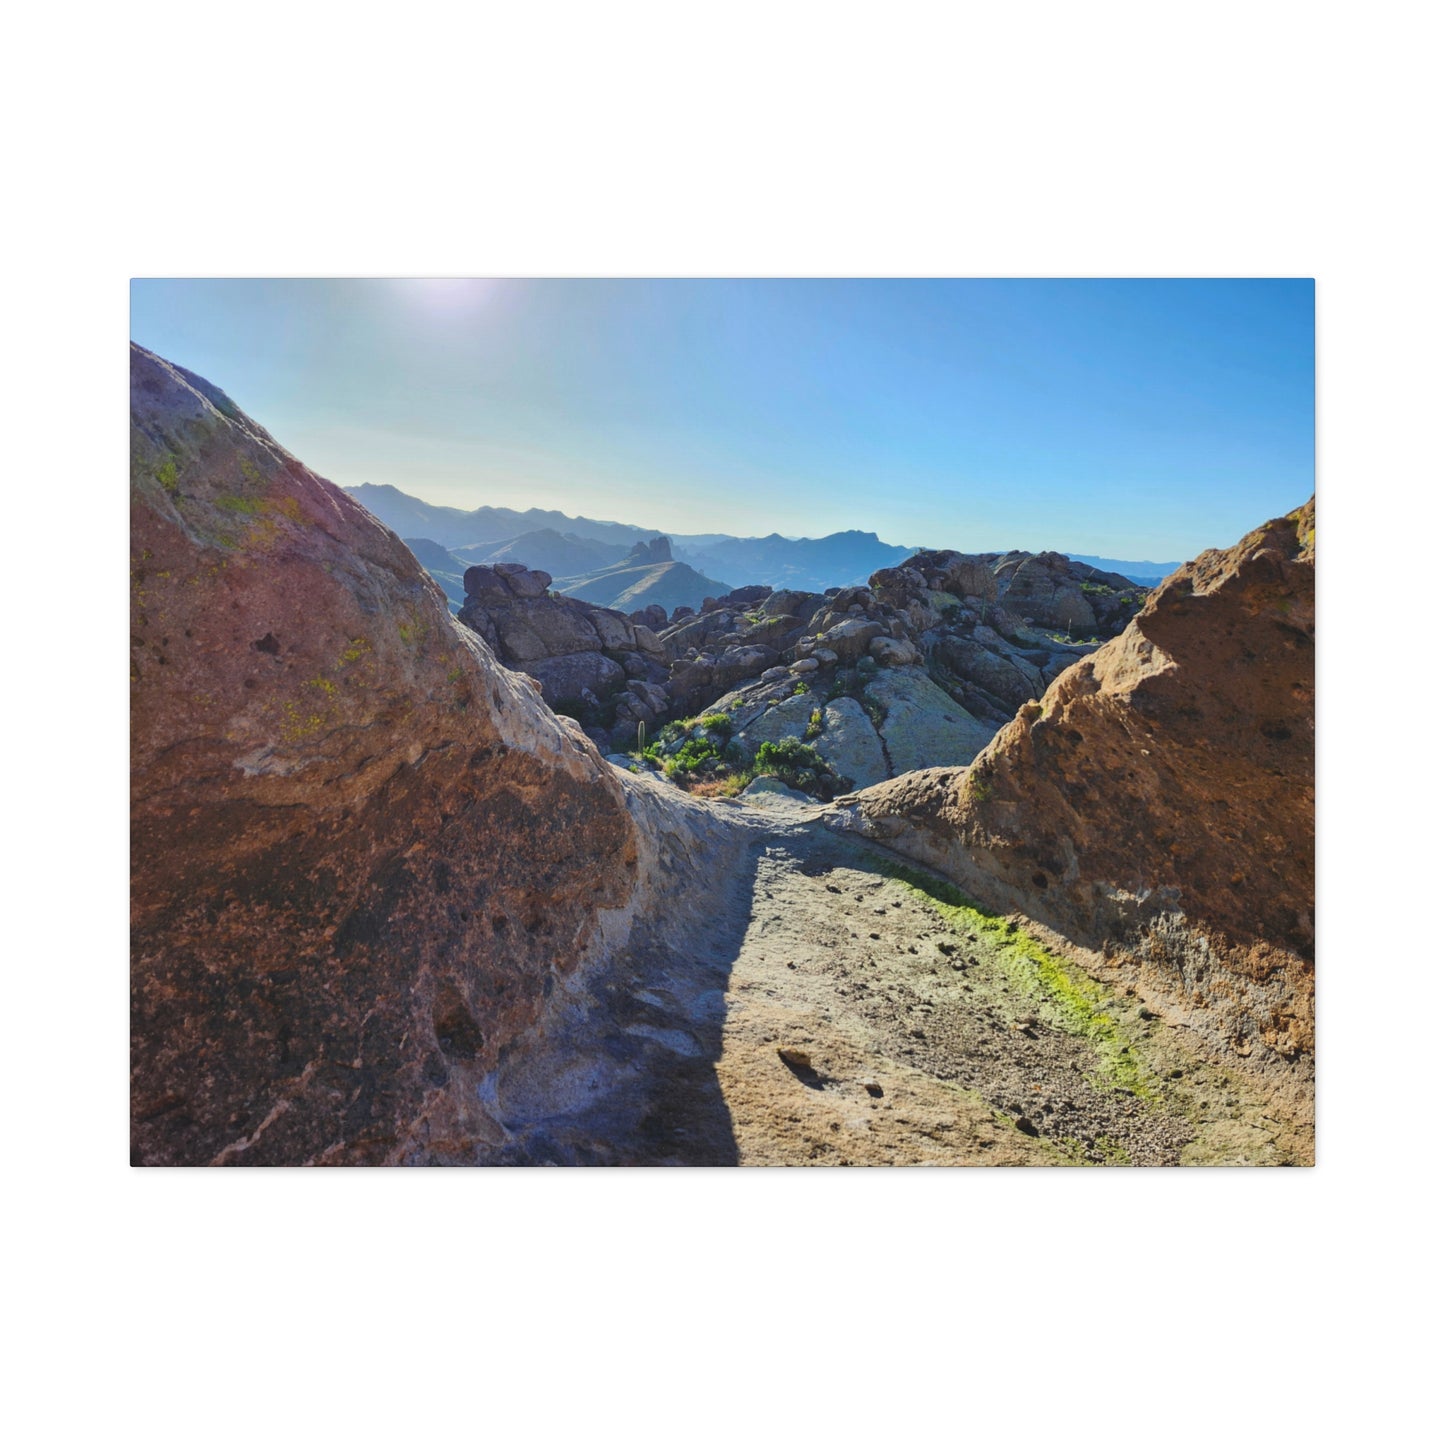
(563, 554)
(578, 549)
(452, 527)
(1146, 574)
(807, 564)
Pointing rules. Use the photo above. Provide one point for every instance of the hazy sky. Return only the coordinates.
(1145, 420)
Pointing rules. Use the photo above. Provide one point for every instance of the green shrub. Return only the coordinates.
(715, 722)
(794, 762)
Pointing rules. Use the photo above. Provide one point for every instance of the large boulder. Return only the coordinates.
(786, 601)
(1043, 590)
(1158, 803)
(1007, 677)
(789, 718)
(922, 726)
(564, 679)
(849, 639)
(529, 631)
(739, 663)
(848, 743)
(581, 654)
(652, 616)
(891, 652)
(613, 630)
(347, 905)
(741, 598)
(524, 581)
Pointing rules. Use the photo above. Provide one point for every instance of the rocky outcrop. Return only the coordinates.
(591, 663)
(659, 549)
(996, 629)
(1158, 803)
(927, 650)
(941, 611)
(967, 639)
(348, 900)
(1042, 589)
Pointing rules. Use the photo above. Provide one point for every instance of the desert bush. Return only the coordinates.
(794, 762)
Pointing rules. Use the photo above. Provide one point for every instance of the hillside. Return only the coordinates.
(1150, 574)
(572, 548)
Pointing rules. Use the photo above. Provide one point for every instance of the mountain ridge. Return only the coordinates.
(839, 559)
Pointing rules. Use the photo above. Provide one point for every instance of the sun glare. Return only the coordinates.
(445, 295)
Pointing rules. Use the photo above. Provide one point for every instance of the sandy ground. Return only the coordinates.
(813, 1009)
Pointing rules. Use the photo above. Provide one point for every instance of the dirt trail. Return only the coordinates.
(817, 1003)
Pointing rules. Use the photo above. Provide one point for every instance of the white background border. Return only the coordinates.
(1260, 139)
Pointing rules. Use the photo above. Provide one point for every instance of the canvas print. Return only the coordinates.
(734, 722)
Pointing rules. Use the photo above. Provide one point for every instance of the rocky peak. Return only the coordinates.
(659, 549)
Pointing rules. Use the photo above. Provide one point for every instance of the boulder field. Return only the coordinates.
(947, 645)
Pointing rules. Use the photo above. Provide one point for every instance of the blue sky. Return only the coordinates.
(1144, 420)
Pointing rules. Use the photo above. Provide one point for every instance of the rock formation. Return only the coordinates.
(363, 853)
(930, 657)
(929, 651)
(1158, 803)
(989, 632)
(592, 663)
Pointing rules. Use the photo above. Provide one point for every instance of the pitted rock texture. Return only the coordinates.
(363, 852)
(1159, 803)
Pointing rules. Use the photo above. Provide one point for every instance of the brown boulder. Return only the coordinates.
(346, 904)
(1159, 803)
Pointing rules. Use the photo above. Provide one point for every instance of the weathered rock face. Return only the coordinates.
(1159, 804)
(347, 897)
(583, 656)
(922, 726)
(1042, 588)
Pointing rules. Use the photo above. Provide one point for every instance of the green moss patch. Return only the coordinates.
(1069, 999)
